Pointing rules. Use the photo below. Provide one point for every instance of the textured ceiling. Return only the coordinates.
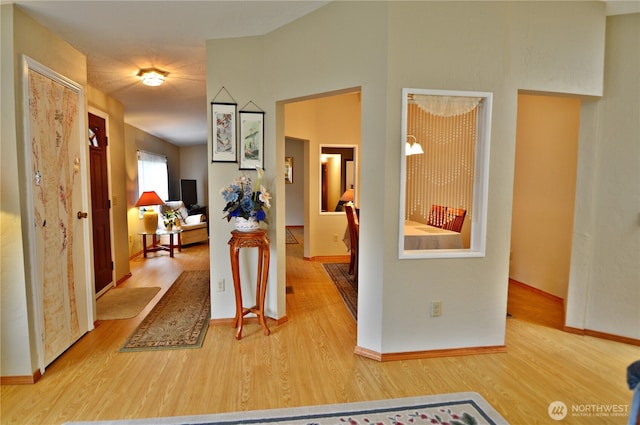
(120, 37)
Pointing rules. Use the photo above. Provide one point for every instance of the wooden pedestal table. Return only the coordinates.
(253, 239)
(155, 245)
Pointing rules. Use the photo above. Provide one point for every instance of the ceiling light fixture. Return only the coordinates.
(152, 76)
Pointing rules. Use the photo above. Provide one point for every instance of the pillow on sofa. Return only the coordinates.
(194, 219)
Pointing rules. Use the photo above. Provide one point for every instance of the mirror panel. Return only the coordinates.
(444, 173)
(337, 177)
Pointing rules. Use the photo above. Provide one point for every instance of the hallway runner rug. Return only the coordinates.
(179, 320)
(124, 303)
(457, 408)
(347, 287)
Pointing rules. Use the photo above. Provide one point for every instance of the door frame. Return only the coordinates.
(105, 117)
(29, 64)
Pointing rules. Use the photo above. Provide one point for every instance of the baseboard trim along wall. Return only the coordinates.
(416, 355)
(21, 380)
(602, 335)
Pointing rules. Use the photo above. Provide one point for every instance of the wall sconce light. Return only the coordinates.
(412, 148)
(152, 76)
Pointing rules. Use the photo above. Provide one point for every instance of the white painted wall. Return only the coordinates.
(604, 286)
(499, 47)
(331, 49)
(294, 215)
(489, 46)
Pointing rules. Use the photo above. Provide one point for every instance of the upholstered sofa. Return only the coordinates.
(194, 227)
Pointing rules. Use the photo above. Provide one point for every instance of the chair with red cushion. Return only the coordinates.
(454, 219)
(354, 235)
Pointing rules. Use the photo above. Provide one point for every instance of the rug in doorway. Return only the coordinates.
(457, 408)
(346, 284)
(289, 236)
(179, 320)
(124, 303)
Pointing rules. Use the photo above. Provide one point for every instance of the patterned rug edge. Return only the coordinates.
(201, 324)
(416, 410)
(339, 274)
(289, 237)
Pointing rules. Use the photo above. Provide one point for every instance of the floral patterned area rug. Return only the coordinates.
(179, 320)
(454, 409)
(339, 273)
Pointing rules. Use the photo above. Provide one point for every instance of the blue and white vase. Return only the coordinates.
(247, 224)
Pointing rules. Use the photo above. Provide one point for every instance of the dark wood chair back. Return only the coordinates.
(354, 234)
(454, 219)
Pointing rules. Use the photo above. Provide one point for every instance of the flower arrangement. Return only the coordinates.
(246, 200)
(171, 219)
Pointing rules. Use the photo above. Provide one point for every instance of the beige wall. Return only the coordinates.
(544, 191)
(193, 165)
(21, 35)
(16, 359)
(295, 192)
(499, 47)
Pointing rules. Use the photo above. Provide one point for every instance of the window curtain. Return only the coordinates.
(153, 174)
(446, 127)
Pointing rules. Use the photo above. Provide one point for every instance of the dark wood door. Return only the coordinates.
(100, 203)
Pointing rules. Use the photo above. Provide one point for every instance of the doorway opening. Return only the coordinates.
(324, 119)
(547, 135)
(327, 119)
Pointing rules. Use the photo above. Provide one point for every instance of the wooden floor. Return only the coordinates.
(309, 360)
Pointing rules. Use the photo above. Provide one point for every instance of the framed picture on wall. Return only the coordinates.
(223, 132)
(251, 146)
(288, 169)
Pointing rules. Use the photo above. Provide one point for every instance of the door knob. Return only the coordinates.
(82, 215)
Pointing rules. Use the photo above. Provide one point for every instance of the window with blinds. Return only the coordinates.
(153, 174)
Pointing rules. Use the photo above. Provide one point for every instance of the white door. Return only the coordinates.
(56, 168)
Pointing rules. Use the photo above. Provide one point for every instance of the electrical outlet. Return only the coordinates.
(335, 238)
(221, 285)
(436, 308)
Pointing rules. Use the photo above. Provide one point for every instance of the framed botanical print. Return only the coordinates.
(251, 145)
(223, 132)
